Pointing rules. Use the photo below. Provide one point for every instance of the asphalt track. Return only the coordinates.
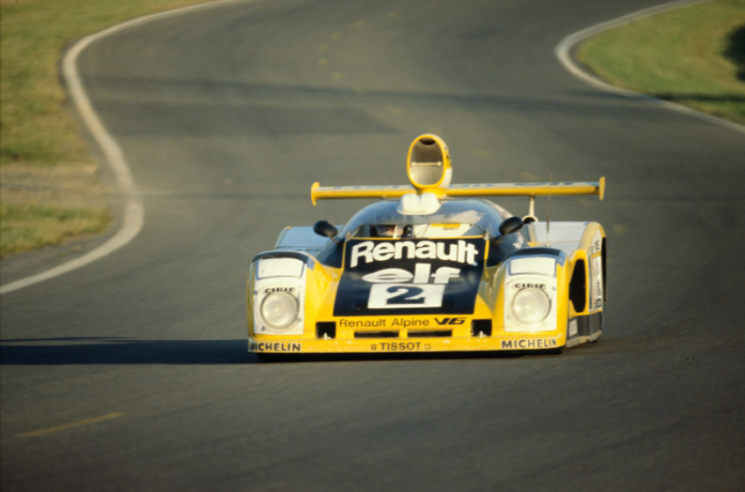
(132, 374)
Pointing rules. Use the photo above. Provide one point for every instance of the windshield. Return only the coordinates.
(396, 231)
(454, 218)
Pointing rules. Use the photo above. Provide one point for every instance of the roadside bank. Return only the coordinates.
(693, 55)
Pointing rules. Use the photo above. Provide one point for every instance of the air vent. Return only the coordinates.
(431, 334)
(578, 287)
(376, 334)
(479, 326)
(326, 330)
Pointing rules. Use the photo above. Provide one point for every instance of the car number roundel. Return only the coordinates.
(384, 296)
(408, 276)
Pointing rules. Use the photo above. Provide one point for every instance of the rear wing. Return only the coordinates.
(528, 189)
(430, 172)
(532, 190)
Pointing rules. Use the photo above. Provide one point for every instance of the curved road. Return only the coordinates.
(132, 373)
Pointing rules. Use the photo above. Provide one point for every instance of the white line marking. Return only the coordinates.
(134, 214)
(564, 49)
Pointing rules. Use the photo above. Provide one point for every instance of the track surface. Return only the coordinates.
(228, 115)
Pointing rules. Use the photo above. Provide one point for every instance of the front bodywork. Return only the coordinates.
(431, 295)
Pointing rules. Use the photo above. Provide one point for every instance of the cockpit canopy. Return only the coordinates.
(455, 218)
(417, 231)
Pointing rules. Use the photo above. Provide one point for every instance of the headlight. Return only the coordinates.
(531, 306)
(279, 309)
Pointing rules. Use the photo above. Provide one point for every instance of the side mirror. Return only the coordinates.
(511, 225)
(323, 228)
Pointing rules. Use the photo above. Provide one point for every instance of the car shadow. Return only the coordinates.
(390, 356)
(117, 350)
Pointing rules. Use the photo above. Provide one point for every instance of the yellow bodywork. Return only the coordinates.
(429, 170)
(321, 289)
(319, 192)
(440, 185)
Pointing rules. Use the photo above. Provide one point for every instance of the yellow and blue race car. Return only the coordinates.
(432, 267)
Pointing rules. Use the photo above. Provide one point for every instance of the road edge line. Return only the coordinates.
(134, 210)
(563, 52)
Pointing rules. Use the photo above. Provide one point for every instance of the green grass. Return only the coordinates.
(693, 56)
(36, 124)
(26, 227)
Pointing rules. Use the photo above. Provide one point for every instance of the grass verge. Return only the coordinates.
(693, 56)
(36, 126)
(26, 227)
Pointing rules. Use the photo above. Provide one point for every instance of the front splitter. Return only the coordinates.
(383, 345)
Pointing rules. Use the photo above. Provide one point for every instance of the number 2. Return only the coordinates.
(405, 295)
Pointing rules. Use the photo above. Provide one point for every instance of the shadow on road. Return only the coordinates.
(116, 350)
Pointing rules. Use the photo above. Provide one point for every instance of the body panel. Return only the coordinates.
(483, 327)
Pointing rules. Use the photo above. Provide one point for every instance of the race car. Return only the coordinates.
(431, 267)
